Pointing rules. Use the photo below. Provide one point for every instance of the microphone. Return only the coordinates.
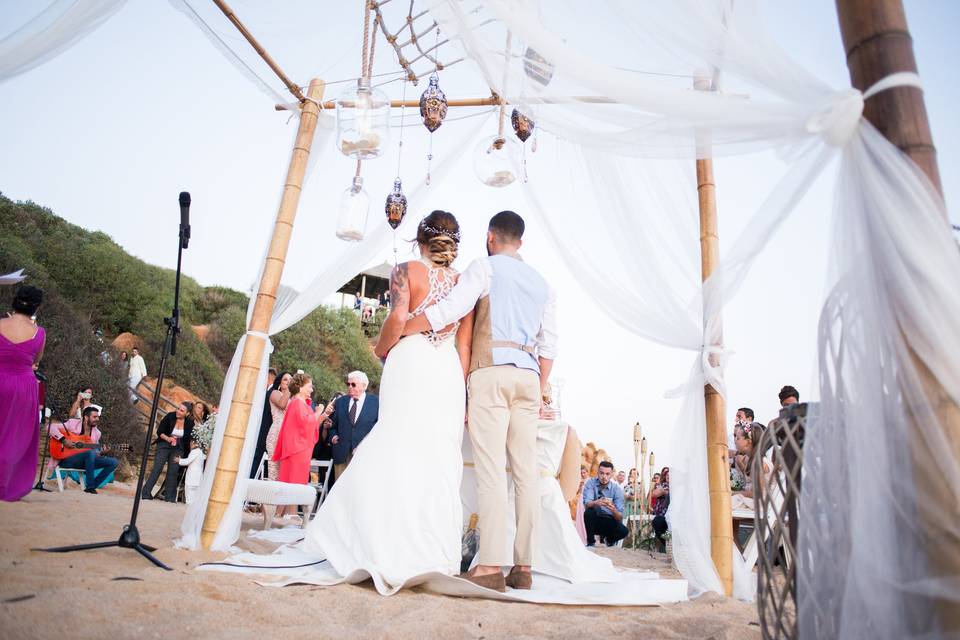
(184, 219)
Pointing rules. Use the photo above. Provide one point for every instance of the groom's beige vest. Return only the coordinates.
(507, 320)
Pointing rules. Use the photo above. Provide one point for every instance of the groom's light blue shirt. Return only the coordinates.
(523, 308)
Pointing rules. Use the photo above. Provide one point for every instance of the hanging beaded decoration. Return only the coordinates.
(433, 108)
(523, 126)
(395, 206)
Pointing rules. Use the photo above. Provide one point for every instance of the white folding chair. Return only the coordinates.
(57, 472)
(263, 461)
(323, 468)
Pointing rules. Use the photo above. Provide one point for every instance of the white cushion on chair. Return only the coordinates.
(281, 493)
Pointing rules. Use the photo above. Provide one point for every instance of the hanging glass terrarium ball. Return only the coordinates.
(396, 206)
(537, 68)
(433, 105)
(363, 121)
(495, 160)
(354, 205)
(522, 121)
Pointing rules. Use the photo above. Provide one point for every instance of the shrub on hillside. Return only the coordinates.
(107, 288)
(328, 344)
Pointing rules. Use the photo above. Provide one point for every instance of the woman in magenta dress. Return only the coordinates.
(299, 431)
(21, 345)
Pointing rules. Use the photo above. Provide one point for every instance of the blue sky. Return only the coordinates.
(108, 133)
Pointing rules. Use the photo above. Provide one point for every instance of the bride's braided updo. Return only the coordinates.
(439, 232)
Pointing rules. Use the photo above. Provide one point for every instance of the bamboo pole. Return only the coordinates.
(877, 43)
(718, 465)
(235, 434)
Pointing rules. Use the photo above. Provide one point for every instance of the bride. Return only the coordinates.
(407, 523)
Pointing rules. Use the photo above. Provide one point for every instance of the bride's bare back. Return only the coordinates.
(413, 287)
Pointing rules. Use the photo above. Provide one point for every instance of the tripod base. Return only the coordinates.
(39, 487)
(129, 539)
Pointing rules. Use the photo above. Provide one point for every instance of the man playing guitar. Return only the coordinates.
(76, 445)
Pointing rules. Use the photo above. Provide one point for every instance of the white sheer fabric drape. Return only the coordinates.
(50, 29)
(909, 247)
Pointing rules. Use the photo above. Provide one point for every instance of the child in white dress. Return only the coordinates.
(194, 465)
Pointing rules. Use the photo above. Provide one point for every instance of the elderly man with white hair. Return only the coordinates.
(354, 415)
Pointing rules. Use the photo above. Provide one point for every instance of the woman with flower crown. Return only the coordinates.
(399, 531)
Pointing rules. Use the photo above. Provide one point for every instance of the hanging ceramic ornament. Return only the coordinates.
(523, 125)
(363, 121)
(537, 68)
(354, 206)
(396, 206)
(433, 105)
(522, 122)
(494, 160)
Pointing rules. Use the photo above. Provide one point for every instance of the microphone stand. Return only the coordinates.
(45, 444)
(130, 536)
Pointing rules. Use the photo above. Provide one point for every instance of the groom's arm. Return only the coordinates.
(474, 283)
(547, 339)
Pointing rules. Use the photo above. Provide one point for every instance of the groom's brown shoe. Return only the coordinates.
(518, 579)
(492, 581)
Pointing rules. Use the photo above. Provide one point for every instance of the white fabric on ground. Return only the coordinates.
(565, 572)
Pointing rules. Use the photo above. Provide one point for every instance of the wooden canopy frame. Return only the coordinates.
(899, 114)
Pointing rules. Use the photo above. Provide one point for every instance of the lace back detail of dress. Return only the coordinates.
(441, 281)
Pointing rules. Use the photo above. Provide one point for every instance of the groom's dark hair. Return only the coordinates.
(507, 226)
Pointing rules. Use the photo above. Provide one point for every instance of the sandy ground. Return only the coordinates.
(115, 593)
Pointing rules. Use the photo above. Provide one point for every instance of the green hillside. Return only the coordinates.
(91, 282)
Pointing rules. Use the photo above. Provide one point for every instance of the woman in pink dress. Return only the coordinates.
(298, 433)
(21, 346)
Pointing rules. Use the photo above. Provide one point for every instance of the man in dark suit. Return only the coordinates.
(354, 415)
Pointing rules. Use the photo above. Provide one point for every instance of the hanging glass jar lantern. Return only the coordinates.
(363, 121)
(537, 68)
(396, 206)
(354, 206)
(495, 159)
(433, 105)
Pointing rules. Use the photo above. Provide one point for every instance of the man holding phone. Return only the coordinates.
(603, 502)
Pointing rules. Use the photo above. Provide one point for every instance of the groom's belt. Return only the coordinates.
(506, 344)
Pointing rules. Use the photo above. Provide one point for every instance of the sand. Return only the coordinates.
(115, 593)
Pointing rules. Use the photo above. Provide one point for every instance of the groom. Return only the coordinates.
(514, 345)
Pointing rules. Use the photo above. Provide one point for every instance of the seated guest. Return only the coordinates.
(621, 478)
(747, 438)
(654, 481)
(173, 441)
(194, 465)
(661, 496)
(603, 507)
(76, 443)
(744, 416)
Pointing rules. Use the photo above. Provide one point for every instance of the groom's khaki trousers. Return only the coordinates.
(503, 410)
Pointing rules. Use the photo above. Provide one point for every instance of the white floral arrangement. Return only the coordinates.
(203, 433)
